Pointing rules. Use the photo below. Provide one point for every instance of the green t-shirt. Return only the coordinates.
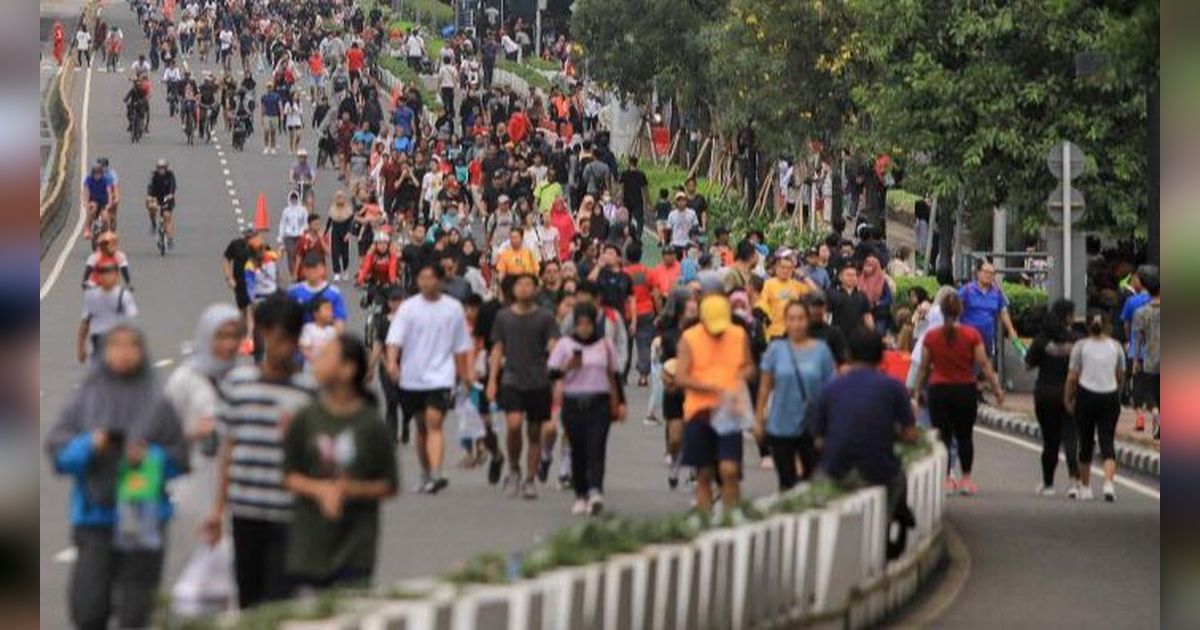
(323, 446)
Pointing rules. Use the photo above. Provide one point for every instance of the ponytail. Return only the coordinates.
(952, 308)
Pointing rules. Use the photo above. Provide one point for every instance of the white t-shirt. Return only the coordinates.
(681, 223)
(429, 335)
(1098, 362)
(83, 40)
(447, 76)
(314, 336)
(293, 114)
(103, 310)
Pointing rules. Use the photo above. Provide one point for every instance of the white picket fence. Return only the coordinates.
(818, 567)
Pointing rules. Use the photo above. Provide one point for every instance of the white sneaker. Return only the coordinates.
(1085, 493)
(1045, 491)
(266, 150)
(579, 507)
(595, 503)
(1073, 491)
(1110, 492)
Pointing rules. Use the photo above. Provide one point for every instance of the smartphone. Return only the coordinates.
(579, 355)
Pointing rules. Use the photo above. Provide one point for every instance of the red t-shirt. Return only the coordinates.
(518, 126)
(665, 278)
(953, 363)
(355, 59)
(643, 302)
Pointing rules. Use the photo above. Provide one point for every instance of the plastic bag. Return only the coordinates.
(735, 413)
(207, 585)
(470, 422)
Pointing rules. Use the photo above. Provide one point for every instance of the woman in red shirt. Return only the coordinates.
(952, 354)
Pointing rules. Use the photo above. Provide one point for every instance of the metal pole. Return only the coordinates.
(928, 246)
(1066, 219)
(537, 27)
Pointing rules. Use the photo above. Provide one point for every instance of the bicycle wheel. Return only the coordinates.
(162, 240)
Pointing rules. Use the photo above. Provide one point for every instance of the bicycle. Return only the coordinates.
(206, 122)
(189, 123)
(172, 100)
(374, 306)
(137, 123)
(165, 210)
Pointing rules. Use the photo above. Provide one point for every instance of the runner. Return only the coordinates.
(428, 346)
(712, 365)
(521, 337)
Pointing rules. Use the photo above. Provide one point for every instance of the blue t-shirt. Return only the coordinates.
(270, 103)
(980, 309)
(788, 400)
(857, 414)
(363, 136)
(97, 189)
(1131, 307)
(402, 118)
(302, 295)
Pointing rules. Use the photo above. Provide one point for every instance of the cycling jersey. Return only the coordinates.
(208, 94)
(161, 185)
(379, 270)
(98, 189)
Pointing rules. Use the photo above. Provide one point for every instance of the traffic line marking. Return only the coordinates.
(1137, 487)
(229, 182)
(66, 556)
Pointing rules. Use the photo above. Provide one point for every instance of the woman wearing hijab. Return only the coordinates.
(120, 441)
(585, 367)
(560, 218)
(192, 387)
(877, 288)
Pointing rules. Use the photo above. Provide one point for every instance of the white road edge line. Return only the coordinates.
(66, 556)
(83, 158)
(1140, 488)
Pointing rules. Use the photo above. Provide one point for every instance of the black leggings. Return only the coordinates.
(1097, 414)
(340, 246)
(1058, 431)
(952, 408)
(784, 451)
(586, 420)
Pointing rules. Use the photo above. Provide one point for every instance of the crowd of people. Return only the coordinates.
(501, 255)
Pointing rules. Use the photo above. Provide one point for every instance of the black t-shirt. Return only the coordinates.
(847, 309)
(614, 287)
(921, 209)
(237, 253)
(526, 338)
(833, 337)
(633, 185)
(700, 205)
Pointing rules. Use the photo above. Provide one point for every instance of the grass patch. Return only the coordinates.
(526, 72)
(433, 44)
(902, 200)
(400, 69)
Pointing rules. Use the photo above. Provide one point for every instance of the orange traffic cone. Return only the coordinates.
(262, 222)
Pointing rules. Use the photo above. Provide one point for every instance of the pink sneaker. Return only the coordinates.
(967, 487)
(950, 485)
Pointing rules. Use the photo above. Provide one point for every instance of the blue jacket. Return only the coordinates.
(75, 458)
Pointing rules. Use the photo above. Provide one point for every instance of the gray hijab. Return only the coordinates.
(132, 404)
(202, 359)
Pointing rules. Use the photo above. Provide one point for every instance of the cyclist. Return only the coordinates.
(137, 108)
(189, 108)
(98, 195)
(208, 105)
(380, 268)
(303, 177)
(160, 197)
(141, 67)
(113, 180)
(172, 77)
(107, 253)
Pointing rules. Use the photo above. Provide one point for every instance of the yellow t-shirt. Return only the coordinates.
(516, 261)
(776, 294)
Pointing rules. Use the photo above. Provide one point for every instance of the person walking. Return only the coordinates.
(793, 371)
(952, 354)
(427, 350)
(681, 312)
(339, 462)
(339, 224)
(192, 388)
(1050, 354)
(984, 303)
(522, 336)
(259, 402)
(712, 366)
(584, 366)
(1147, 328)
(1094, 378)
(120, 441)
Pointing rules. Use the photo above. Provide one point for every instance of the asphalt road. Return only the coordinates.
(1035, 562)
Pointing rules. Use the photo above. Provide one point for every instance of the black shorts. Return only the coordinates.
(1148, 386)
(704, 448)
(241, 298)
(672, 405)
(534, 403)
(414, 401)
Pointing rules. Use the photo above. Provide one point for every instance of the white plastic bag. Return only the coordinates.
(470, 422)
(207, 585)
(735, 413)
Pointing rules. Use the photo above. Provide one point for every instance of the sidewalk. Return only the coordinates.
(1136, 450)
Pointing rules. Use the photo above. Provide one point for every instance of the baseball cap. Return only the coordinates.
(680, 195)
(715, 314)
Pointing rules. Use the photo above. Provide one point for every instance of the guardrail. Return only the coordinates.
(821, 566)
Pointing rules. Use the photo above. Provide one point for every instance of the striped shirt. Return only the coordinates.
(253, 415)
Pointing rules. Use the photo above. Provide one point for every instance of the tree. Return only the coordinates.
(982, 90)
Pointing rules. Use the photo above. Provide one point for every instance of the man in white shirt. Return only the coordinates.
(104, 306)
(83, 47)
(427, 347)
(414, 48)
(681, 221)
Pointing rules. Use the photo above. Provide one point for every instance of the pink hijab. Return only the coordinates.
(871, 281)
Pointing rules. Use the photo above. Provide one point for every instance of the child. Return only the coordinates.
(341, 464)
(318, 332)
(662, 209)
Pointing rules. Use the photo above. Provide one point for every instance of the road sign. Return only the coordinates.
(1054, 160)
(1055, 202)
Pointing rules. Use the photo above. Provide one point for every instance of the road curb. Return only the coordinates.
(1143, 460)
